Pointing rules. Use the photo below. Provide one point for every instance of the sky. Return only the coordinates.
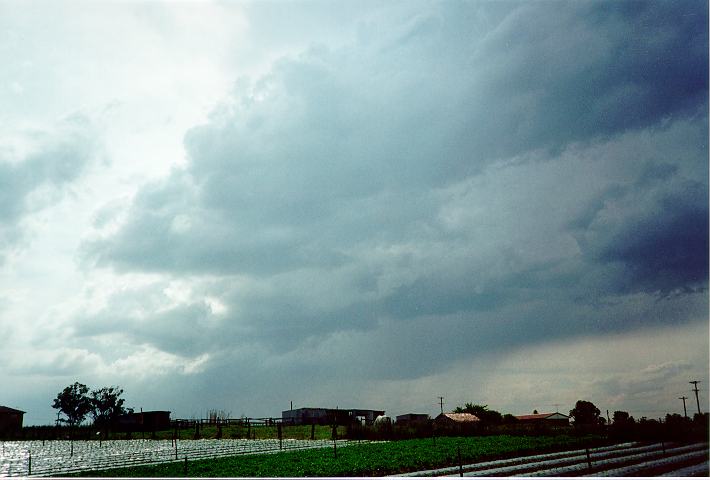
(246, 205)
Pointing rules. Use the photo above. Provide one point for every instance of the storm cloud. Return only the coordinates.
(482, 177)
(437, 187)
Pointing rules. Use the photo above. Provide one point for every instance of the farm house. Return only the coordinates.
(326, 416)
(556, 419)
(10, 420)
(150, 421)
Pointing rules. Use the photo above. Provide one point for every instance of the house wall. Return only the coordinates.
(144, 421)
(325, 416)
(306, 416)
(10, 422)
(411, 418)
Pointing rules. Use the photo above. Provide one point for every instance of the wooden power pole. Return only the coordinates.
(685, 412)
(697, 400)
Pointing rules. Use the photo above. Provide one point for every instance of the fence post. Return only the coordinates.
(278, 431)
(313, 431)
(29, 465)
(176, 457)
(458, 451)
(186, 465)
(71, 453)
(589, 459)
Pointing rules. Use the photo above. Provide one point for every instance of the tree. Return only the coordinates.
(510, 418)
(623, 426)
(622, 418)
(73, 403)
(106, 405)
(487, 417)
(585, 413)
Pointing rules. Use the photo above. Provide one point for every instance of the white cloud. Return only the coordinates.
(147, 362)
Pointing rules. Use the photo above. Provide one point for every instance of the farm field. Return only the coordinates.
(356, 459)
(500, 455)
(620, 460)
(63, 457)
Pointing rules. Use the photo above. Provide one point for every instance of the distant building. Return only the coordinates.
(456, 418)
(556, 419)
(328, 416)
(412, 419)
(150, 421)
(10, 420)
(458, 422)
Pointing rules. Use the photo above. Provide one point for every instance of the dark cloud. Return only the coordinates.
(655, 230)
(560, 72)
(448, 187)
(667, 247)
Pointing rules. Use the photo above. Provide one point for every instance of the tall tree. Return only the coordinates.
(585, 413)
(73, 403)
(106, 405)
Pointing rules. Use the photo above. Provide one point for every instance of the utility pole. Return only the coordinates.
(685, 412)
(695, 382)
(441, 402)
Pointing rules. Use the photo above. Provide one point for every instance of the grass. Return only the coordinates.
(374, 459)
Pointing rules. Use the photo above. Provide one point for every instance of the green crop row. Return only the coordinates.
(367, 459)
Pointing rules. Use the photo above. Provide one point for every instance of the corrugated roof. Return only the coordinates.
(9, 410)
(462, 417)
(539, 416)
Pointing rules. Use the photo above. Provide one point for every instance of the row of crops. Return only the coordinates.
(61, 457)
(620, 460)
(498, 455)
(357, 460)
